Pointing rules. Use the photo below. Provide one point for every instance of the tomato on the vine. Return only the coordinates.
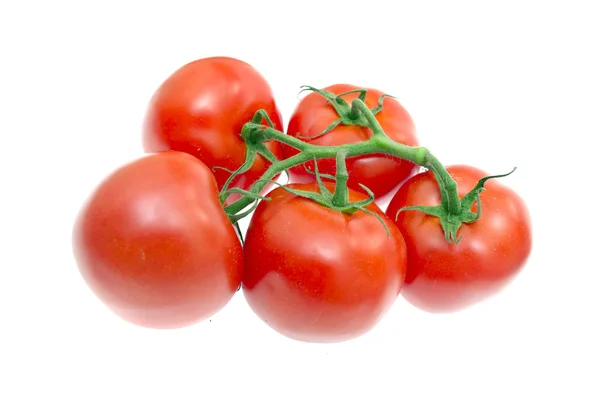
(319, 275)
(154, 244)
(380, 173)
(447, 277)
(201, 108)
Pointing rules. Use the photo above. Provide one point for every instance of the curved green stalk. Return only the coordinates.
(452, 212)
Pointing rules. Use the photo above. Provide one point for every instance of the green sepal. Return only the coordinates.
(326, 176)
(314, 196)
(235, 218)
(435, 211)
(387, 231)
(324, 191)
(337, 102)
(348, 116)
(260, 115)
(250, 157)
(358, 205)
(468, 200)
(369, 191)
(450, 224)
(331, 127)
(362, 95)
(375, 110)
(216, 167)
(246, 193)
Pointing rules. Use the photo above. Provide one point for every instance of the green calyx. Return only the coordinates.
(338, 200)
(452, 221)
(348, 113)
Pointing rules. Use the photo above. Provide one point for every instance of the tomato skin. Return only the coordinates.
(379, 173)
(201, 108)
(141, 242)
(444, 277)
(317, 275)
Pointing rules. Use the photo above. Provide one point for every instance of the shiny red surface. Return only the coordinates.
(154, 245)
(201, 108)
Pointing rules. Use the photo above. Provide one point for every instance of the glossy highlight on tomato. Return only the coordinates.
(153, 243)
(319, 275)
(445, 277)
(201, 108)
(380, 173)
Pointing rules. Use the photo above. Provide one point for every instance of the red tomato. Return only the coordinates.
(378, 172)
(201, 109)
(154, 244)
(318, 275)
(445, 277)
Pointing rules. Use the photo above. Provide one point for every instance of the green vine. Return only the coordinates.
(452, 212)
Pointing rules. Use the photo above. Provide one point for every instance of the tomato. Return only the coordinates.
(153, 242)
(201, 108)
(446, 277)
(318, 275)
(378, 172)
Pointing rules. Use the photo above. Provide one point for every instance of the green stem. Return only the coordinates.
(379, 143)
(269, 174)
(371, 120)
(340, 196)
(355, 110)
(448, 188)
(452, 212)
(449, 193)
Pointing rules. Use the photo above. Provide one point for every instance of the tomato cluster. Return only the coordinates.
(154, 243)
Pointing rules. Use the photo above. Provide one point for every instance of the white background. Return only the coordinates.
(492, 84)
